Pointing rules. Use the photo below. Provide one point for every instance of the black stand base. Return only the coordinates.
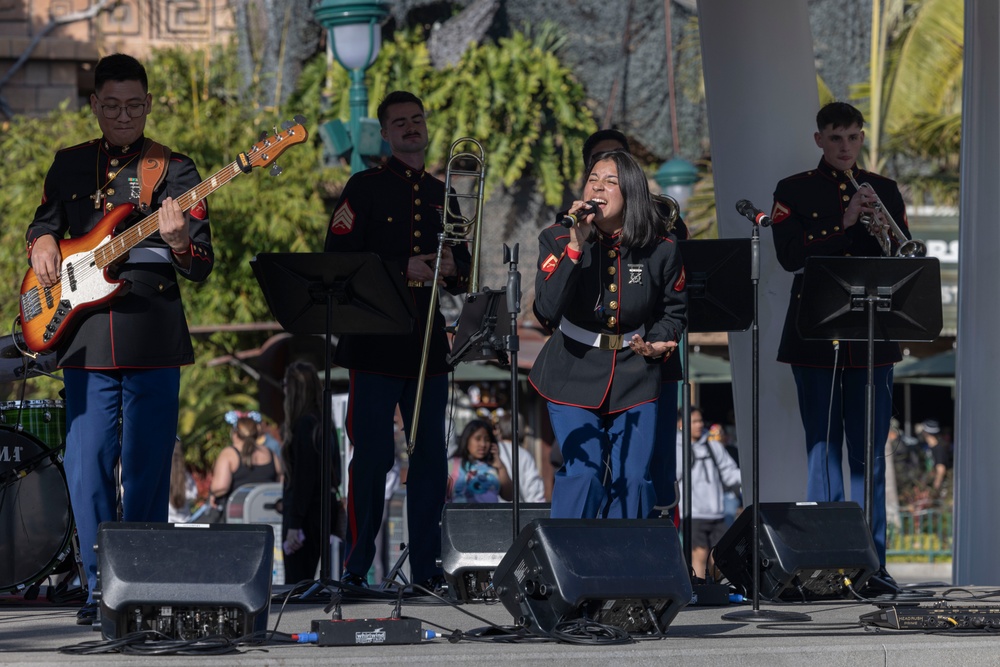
(766, 616)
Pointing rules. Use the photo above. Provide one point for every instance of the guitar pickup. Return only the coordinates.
(71, 276)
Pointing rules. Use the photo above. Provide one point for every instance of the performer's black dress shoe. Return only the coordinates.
(87, 614)
(356, 580)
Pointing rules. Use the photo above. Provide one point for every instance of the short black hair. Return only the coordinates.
(598, 137)
(396, 97)
(119, 67)
(839, 114)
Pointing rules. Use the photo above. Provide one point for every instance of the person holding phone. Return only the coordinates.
(476, 474)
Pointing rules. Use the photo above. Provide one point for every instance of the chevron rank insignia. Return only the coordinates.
(550, 263)
(343, 219)
(780, 212)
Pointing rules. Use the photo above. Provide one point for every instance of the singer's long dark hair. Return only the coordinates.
(641, 220)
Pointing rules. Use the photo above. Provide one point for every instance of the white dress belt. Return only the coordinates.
(593, 339)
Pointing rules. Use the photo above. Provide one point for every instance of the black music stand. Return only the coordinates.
(487, 329)
(755, 614)
(327, 293)
(886, 299)
(720, 298)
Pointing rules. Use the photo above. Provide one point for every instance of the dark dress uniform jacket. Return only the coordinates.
(808, 222)
(611, 290)
(145, 327)
(395, 212)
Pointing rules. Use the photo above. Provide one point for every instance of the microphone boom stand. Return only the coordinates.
(756, 614)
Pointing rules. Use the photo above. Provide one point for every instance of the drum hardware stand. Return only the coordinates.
(756, 614)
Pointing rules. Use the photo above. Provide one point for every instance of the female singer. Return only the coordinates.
(612, 287)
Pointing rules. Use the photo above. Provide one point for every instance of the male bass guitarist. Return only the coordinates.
(121, 359)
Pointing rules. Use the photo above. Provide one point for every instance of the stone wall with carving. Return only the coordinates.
(60, 62)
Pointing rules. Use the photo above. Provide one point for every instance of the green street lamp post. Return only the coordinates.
(676, 178)
(355, 33)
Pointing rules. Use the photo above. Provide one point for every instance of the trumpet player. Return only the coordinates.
(820, 213)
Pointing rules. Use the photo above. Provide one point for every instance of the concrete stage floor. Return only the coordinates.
(31, 634)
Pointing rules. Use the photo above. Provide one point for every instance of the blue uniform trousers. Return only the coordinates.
(821, 394)
(605, 473)
(663, 466)
(145, 401)
(370, 411)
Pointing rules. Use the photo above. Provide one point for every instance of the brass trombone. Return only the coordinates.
(457, 229)
(907, 247)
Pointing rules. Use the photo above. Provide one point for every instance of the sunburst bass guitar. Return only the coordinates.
(48, 312)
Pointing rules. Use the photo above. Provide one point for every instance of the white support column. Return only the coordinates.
(977, 371)
(760, 84)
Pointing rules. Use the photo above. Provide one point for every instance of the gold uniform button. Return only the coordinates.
(822, 233)
(836, 229)
(389, 219)
(109, 206)
(416, 249)
(613, 305)
(416, 201)
(811, 237)
(111, 175)
(612, 321)
(114, 162)
(612, 288)
(815, 214)
(611, 270)
(416, 234)
(111, 191)
(846, 198)
(843, 186)
(160, 287)
(409, 173)
(417, 217)
(416, 188)
(612, 254)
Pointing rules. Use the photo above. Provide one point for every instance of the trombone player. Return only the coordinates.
(822, 213)
(395, 211)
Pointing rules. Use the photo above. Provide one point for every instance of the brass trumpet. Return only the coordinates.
(907, 247)
(457, 228)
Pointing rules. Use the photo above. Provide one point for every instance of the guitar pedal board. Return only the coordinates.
(939, 616)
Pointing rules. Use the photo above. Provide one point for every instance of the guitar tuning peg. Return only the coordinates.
(287, 125)
(263, 135)
(300, 119)
(275, 169)
(275, 130)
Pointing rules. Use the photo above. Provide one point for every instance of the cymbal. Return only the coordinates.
(15, 365)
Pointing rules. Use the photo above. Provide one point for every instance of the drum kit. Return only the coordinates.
(36, 524)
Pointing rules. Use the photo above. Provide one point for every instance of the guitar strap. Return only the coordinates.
(152, 170)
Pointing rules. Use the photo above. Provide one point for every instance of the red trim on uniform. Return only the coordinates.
(780, 212)
(352, 517)
(572, 254)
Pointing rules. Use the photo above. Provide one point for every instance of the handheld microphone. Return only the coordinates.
(746, 208)
(571, 219)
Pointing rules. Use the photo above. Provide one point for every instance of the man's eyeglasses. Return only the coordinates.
(112, 111)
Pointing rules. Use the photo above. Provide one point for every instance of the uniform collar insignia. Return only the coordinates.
(406, 171)
(828, 169)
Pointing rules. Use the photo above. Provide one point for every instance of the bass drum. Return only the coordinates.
(44, 419)
(35, 519)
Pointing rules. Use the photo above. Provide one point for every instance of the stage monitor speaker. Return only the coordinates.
(627, 573)
(185, 581)
(806, 550)
(474, 539)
